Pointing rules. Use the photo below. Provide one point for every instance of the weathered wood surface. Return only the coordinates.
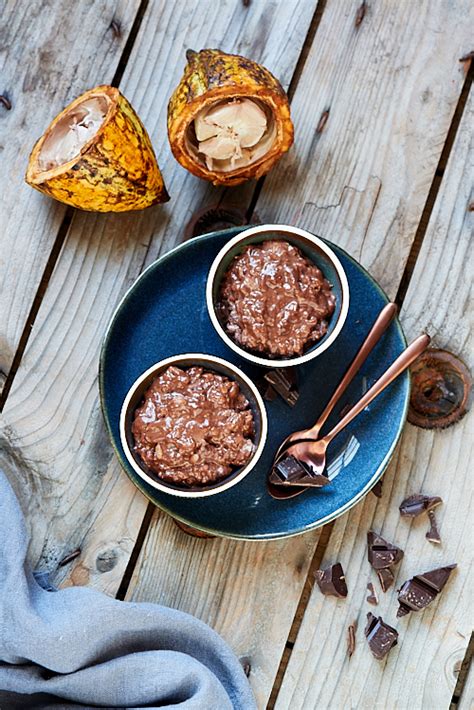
(421, 672)
(150, 583)
(390, 86)
(56, 450)
(55, 447)
(49, 54)
(244, 590)
(466, 701)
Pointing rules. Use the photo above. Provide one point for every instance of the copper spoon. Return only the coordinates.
(313, 452)
(384, 319)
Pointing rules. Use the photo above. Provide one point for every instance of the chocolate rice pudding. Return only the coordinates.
(193, 427)
(274, 300)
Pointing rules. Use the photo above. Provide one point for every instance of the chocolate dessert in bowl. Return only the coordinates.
(277, 295)
(193, 425)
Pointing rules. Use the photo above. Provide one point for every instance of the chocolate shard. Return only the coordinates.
(437, 578)
(386, 578)
(372, 598)
(380, 636)
(284, 381)
(419, 591)
(433, 533)
(270, 394)
(417, 504)
(290, 471)
(382, 554)
(351, 640)
(332, 581)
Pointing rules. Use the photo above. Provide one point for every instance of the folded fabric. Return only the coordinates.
(77, 647)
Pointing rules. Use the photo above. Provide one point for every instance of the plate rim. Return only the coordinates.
(209, 530)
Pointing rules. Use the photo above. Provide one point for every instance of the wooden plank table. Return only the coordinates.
(389, 176)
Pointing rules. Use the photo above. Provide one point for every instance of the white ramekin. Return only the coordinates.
(209, 362)
(313, 248)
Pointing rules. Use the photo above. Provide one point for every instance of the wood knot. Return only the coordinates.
(116, 28)
(322, 121)
(5, 101)
(360, 14)
(245, 662)
(441, 388)
(106, 561)
(213, 219)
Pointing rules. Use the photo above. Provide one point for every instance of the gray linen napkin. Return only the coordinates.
(79, 648)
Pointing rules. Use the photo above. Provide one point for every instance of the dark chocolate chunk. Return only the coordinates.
(382, 554)
(386, 578)
(419, 591)
(433, 533)
(417, 504)
(351, 639)
(372, 598)
(270, 394)
(332, 581)
(377, 489)
(284, 381)
(289, 471)
(380, 636)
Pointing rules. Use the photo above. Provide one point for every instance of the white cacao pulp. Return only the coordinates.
(233, 134)
(72, 132)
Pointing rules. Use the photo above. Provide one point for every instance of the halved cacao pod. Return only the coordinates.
(228, 119)
(96, 155)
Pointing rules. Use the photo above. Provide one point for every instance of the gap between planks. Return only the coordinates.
(415, 249)
(320, 550)
(434, 189)
(321, 546)
(65, 224)
(128, 573)
(409, 269)
(463, 676)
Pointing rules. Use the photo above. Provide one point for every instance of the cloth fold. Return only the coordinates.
(77, 647)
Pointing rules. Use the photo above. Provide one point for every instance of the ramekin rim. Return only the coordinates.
(310, 354)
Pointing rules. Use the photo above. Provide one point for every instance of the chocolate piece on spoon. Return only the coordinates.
(433, 533)
(289, 471)
(284, 381)
(419, 591)
(332, 581)
(418, 504)
(372, 598)
(382, 554)
(386, 578)
(380, 636)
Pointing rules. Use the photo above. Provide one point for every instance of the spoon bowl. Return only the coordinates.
(313, 453)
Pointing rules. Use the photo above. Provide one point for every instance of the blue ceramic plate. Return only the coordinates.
(164, 313)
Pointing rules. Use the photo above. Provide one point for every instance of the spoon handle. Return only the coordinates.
(403, 361)
(385, 317)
